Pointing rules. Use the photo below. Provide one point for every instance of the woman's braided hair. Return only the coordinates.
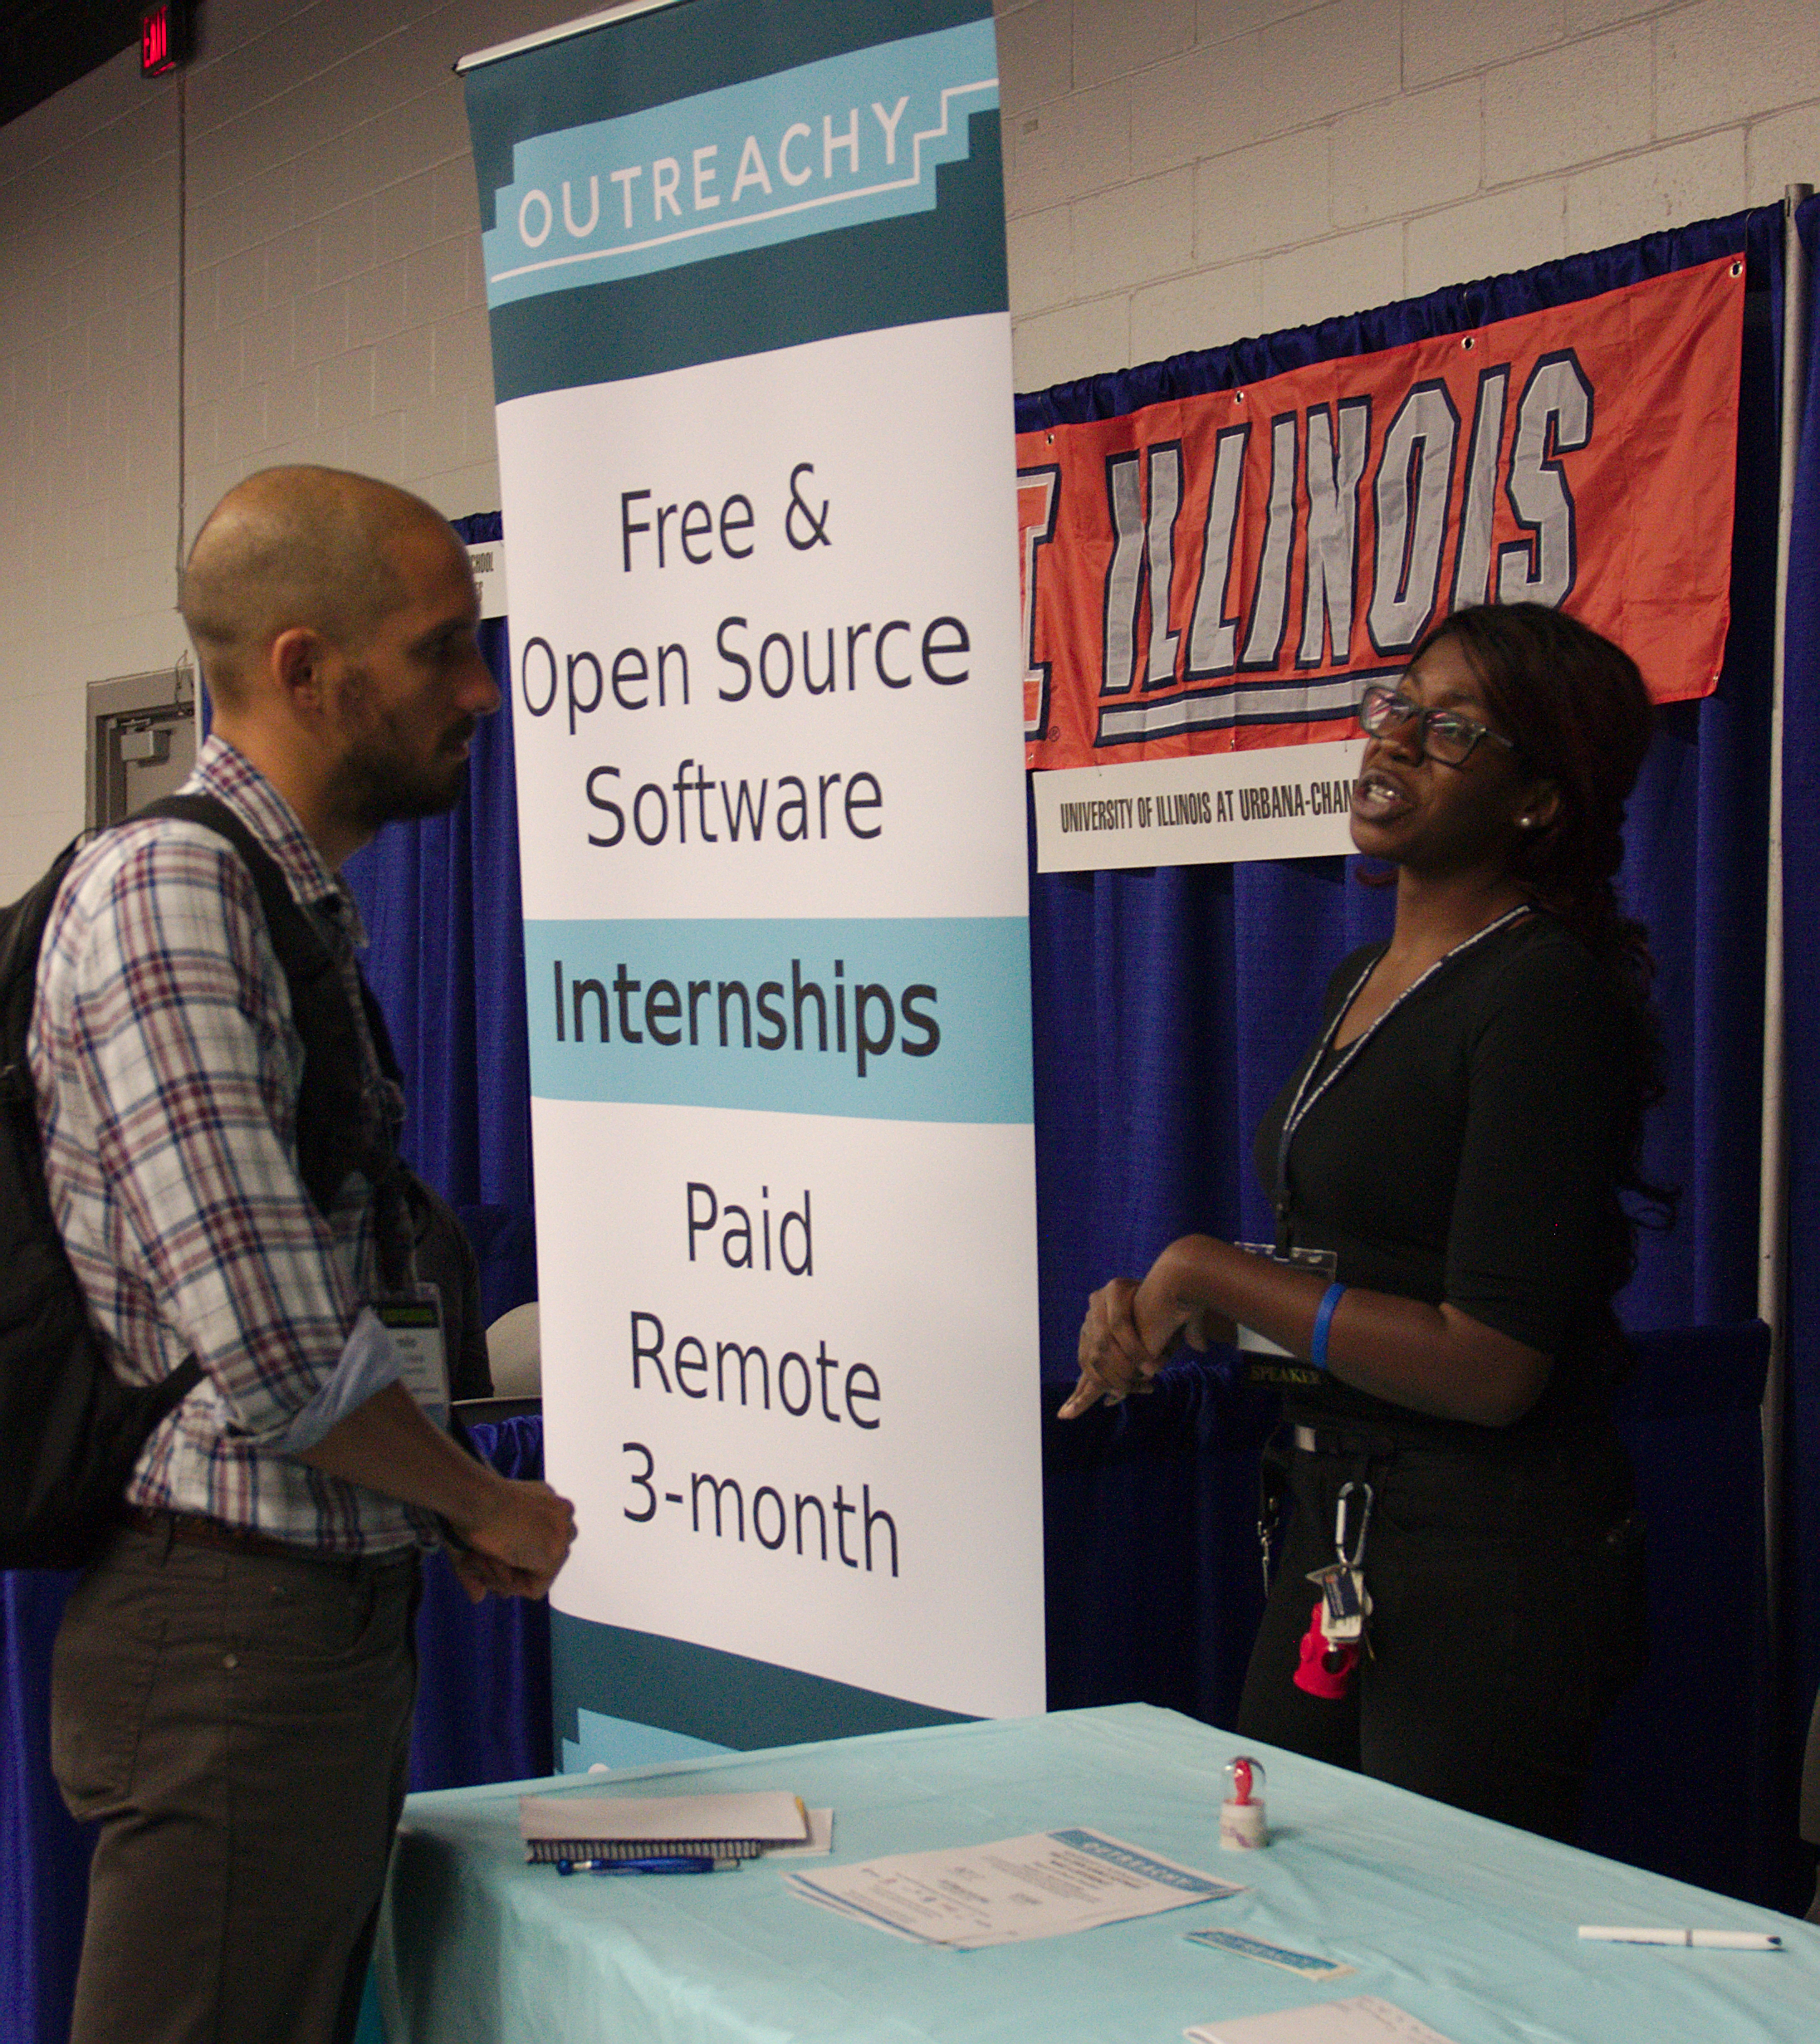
(1577, 707)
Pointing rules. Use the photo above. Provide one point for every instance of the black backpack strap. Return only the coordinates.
(380, 1032)
(332, 1143)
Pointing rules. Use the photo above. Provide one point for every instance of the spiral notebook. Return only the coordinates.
(737, 1826)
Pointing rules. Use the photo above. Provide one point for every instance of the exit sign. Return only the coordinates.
(164, 37)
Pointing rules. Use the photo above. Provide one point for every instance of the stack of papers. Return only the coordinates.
(1360, 2019)
(1041, 1887)
(738, 1827)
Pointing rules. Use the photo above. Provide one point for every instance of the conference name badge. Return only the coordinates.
(414, 1321)
(1259, 1349)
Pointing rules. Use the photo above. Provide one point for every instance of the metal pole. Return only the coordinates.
(1773, 1225)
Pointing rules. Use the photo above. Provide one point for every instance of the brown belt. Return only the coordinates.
(193, 1530)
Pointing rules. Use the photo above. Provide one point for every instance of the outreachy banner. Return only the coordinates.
(745, 279)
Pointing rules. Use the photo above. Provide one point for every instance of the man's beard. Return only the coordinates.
(381, 787)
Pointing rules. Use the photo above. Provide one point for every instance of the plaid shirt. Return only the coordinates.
(166, 1069)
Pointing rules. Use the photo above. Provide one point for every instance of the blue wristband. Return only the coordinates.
(1323, 1319)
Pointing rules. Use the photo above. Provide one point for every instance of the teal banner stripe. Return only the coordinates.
(728, 1698)
(945, 265)
(913, 1018)
(850, 139)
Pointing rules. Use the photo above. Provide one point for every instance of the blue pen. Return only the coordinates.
(691, 1865)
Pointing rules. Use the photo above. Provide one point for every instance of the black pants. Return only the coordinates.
(239, 1725)
(1508, 1616)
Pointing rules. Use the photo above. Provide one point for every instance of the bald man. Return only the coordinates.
(232, 1686)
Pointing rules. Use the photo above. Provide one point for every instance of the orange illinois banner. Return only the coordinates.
(1225, 572)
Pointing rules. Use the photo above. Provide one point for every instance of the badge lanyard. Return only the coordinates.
(412, 1312)
(415, 1321)
(1304, 1099)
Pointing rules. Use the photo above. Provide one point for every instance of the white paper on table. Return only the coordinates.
(802, 1888)
(1044, 1885)
(1359, 2019)
(819, 1844)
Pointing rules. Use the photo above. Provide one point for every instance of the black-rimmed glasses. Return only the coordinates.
(1445, 735)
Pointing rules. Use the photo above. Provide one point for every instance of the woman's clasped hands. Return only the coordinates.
(1130, 1332)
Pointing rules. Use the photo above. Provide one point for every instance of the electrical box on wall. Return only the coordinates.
(142, 742)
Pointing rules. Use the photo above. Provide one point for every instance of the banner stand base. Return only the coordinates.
(724, 1698)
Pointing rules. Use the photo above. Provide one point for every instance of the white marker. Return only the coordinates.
(1718, 1940)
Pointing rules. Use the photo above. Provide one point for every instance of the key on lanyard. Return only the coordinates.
(1345, 1605)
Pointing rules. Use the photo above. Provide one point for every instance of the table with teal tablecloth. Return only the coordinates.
(1468, 1924)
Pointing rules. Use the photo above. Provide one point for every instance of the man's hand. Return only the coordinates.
(517, 1547)
(508, 1537)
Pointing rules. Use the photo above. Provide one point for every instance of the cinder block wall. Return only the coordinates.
(329, 308)
(1180, 172)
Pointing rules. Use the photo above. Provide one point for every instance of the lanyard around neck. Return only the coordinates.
(1304, 1098)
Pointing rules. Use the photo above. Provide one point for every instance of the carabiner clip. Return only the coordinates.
(1357, 1554)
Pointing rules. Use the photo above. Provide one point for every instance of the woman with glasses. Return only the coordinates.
(1458, 1598)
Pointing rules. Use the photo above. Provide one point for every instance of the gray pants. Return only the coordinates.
(239, 1725)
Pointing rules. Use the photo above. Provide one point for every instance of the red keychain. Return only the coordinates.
(1330, 1647)
(1324, 1670)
